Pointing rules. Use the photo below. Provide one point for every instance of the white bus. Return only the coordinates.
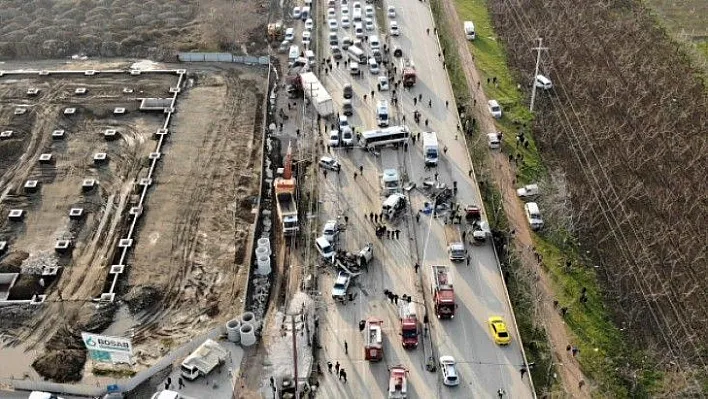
(389, 135)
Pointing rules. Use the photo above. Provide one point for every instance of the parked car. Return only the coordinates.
(543, 82)
(296, 12)
(306, 37)
(331, 13)
(336, 52)
(329, 163)
(347, 134)
(346, 23)
(495, 109)
(324, 248)
(369, 10)
(533, 215)
(341, 286)
(397, 52)
(448, 368)
(354, 68)
(373, 66)
(309, 24)
(369, 24)
(357, 5)
(290, 34)
(499, 332)
(348, 110)
(332, 23)
(333, 138)
(391, 12)
(528, 190)
(347, 90)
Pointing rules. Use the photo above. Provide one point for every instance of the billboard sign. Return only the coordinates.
(107, 344)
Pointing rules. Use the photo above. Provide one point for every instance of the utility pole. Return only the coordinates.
(294, 332)
(538, 61)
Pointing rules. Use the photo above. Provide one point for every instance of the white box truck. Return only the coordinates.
(430, 148)
(203, 360)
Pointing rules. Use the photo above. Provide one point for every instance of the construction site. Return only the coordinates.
(127, 200)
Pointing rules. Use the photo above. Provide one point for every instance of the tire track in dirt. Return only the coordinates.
(188, 242)
(504, 176)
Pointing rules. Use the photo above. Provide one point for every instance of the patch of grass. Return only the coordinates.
(604, 351)
(702, 46)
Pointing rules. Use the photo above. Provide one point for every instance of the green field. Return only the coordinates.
(686, 20)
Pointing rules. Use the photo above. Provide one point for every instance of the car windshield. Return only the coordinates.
(410, 334)
(339, 286)
(495, 108)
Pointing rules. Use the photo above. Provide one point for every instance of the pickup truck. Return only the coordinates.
(341, 286)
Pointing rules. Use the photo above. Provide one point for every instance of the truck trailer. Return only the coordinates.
(317, 94)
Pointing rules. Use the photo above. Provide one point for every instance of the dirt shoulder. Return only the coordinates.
(503, 176)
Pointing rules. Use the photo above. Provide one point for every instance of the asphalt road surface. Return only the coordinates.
(483, 366)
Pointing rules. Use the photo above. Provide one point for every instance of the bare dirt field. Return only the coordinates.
(184, 275)
(108, 28)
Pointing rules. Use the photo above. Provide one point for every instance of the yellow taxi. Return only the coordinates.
(499, 332)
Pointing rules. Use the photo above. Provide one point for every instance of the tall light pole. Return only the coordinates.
(538, 61)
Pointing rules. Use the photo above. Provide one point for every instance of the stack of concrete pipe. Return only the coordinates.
(263, 253)
(248, 329)
(233, 330)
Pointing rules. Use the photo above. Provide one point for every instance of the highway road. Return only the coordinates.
(483, 366)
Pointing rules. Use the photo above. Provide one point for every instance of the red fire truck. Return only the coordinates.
(443, 293)
(409, 324)
(373, 340)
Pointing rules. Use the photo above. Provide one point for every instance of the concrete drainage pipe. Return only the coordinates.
(248, 334)
(233, 330)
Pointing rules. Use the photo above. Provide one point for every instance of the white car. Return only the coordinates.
(543, 82)
(529, 190)
(373, 66)
(297, 12)
(369, 24)
(395, 31)
(309, 24)
(332, 23)
(495, 109)
(166, 394)
(533, 215)
(391, 12)
(343, 120)
(290, 34)
(345, 11)
(383, 83)
(334, 138)
(449, 371)
(357, 5)
(324, 247)
(341, 285)
(330, 163)
(345, 22)
(306, 37)
(330, 230)
(345, 3)
(331, 13)
(369, 10)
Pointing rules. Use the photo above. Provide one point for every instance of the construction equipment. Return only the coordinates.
(284, 187)
(373, 340)
(398, 382)
(408, 75)
(443, 293)
(409, 324)
(203, 360)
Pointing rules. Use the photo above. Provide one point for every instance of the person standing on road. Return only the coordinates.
(329, 367)
(336, 368)
(346, 347)
(416, 267)
(427, 31)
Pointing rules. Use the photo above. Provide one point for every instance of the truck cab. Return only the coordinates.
(390, 181)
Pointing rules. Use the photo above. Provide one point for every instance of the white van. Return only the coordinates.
(374, 42)
(430, 148)
(324, 247)
(393, 204)
(356, 15)
(310, 55)
(533, 215)
(382, 119)
(294, 53)
(469, 30)
(493, 140)
(357, 55)
(390, 181)
(543, 82)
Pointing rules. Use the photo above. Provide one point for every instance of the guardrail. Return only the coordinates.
(223, 57)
